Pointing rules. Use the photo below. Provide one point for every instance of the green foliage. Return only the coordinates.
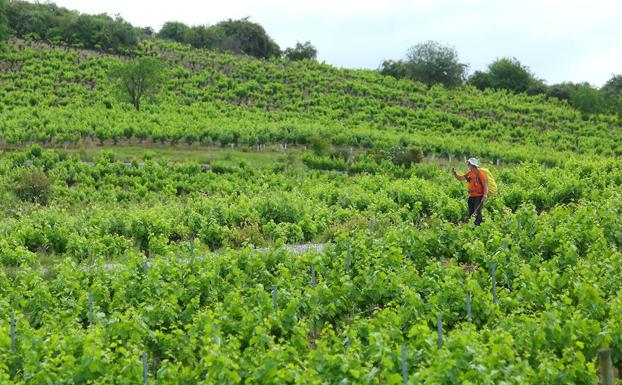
(4, 28)
(174, 30)
(49, 22)
(398, 252)
(480, 80)
(398, 69)
(302, 51)
(245, 37)
(319, 145)
(397, 258)
(562, 91)
(432, 63)
(220, 99)
(237, 36)
(587, 99)
(139, 78)
(33, 186)
(403, 156)
(508, 74)
(612, 94)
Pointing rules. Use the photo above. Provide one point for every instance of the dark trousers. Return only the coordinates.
(475, 206)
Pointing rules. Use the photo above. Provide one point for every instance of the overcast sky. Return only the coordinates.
(559, 40)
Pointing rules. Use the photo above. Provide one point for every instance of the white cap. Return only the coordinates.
(473, 161)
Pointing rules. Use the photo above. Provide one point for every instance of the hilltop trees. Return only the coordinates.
(612, 94)
(99, 32)
(3, 20)
(49, 22)
(238, 36)
(508, 74)
(429, 63)
(588, 99)
(174, 30)
(244, 36)
(138, 79)
(304, 51)
(433, 63)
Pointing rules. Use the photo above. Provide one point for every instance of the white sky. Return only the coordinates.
(559, 40)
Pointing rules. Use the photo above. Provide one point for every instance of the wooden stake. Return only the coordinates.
(606, 368)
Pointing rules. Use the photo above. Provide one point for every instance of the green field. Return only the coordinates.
(160, 244)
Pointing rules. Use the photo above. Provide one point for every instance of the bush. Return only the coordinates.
(34, 186)
(304, 51)
(319, 145)
(402, 156)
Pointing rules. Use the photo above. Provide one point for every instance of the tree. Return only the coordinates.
(508, 74)
(612, 94)
(587, 99)
(432, 63)
(199, 36)
(146, 31)
(305, 51)
(174, 30)
(4, 23)
(50, 22)
(32, 19)
(243, 36)
(562, 91)
(397, 69)
(481, 80)
(581, 96)
(138, 79)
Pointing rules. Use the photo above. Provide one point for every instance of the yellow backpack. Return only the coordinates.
(492, 184)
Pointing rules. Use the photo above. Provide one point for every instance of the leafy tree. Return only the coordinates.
(581, 96)
(510, 74)
(50, 22)
(243, 36)
(174, 30)
(138, 79)
(432, 63)
(100, 32)
(480, 80)
(147, 31)
(35, 19)
(587, 99)
(397, 69)
(3, 21)
(199, 36)
(304, 51)
(612, 94)
(562, 91)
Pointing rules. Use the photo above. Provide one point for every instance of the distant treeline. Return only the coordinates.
(429, 63)
(432, 63)
(57, 25)
(62, 26)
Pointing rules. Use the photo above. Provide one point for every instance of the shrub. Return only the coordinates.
(34, 186)
(402, 156)
(319, 145)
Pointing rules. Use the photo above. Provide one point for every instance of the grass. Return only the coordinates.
(203, 155)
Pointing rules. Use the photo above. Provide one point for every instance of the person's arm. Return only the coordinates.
(459, 177)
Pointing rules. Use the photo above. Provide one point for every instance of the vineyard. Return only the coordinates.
(128, 268)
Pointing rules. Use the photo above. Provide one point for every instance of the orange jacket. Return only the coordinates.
(474, 182)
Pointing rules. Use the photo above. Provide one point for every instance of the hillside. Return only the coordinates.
(61, 96)
(155, 246)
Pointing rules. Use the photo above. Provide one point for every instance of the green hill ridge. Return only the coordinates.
(61, 96)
